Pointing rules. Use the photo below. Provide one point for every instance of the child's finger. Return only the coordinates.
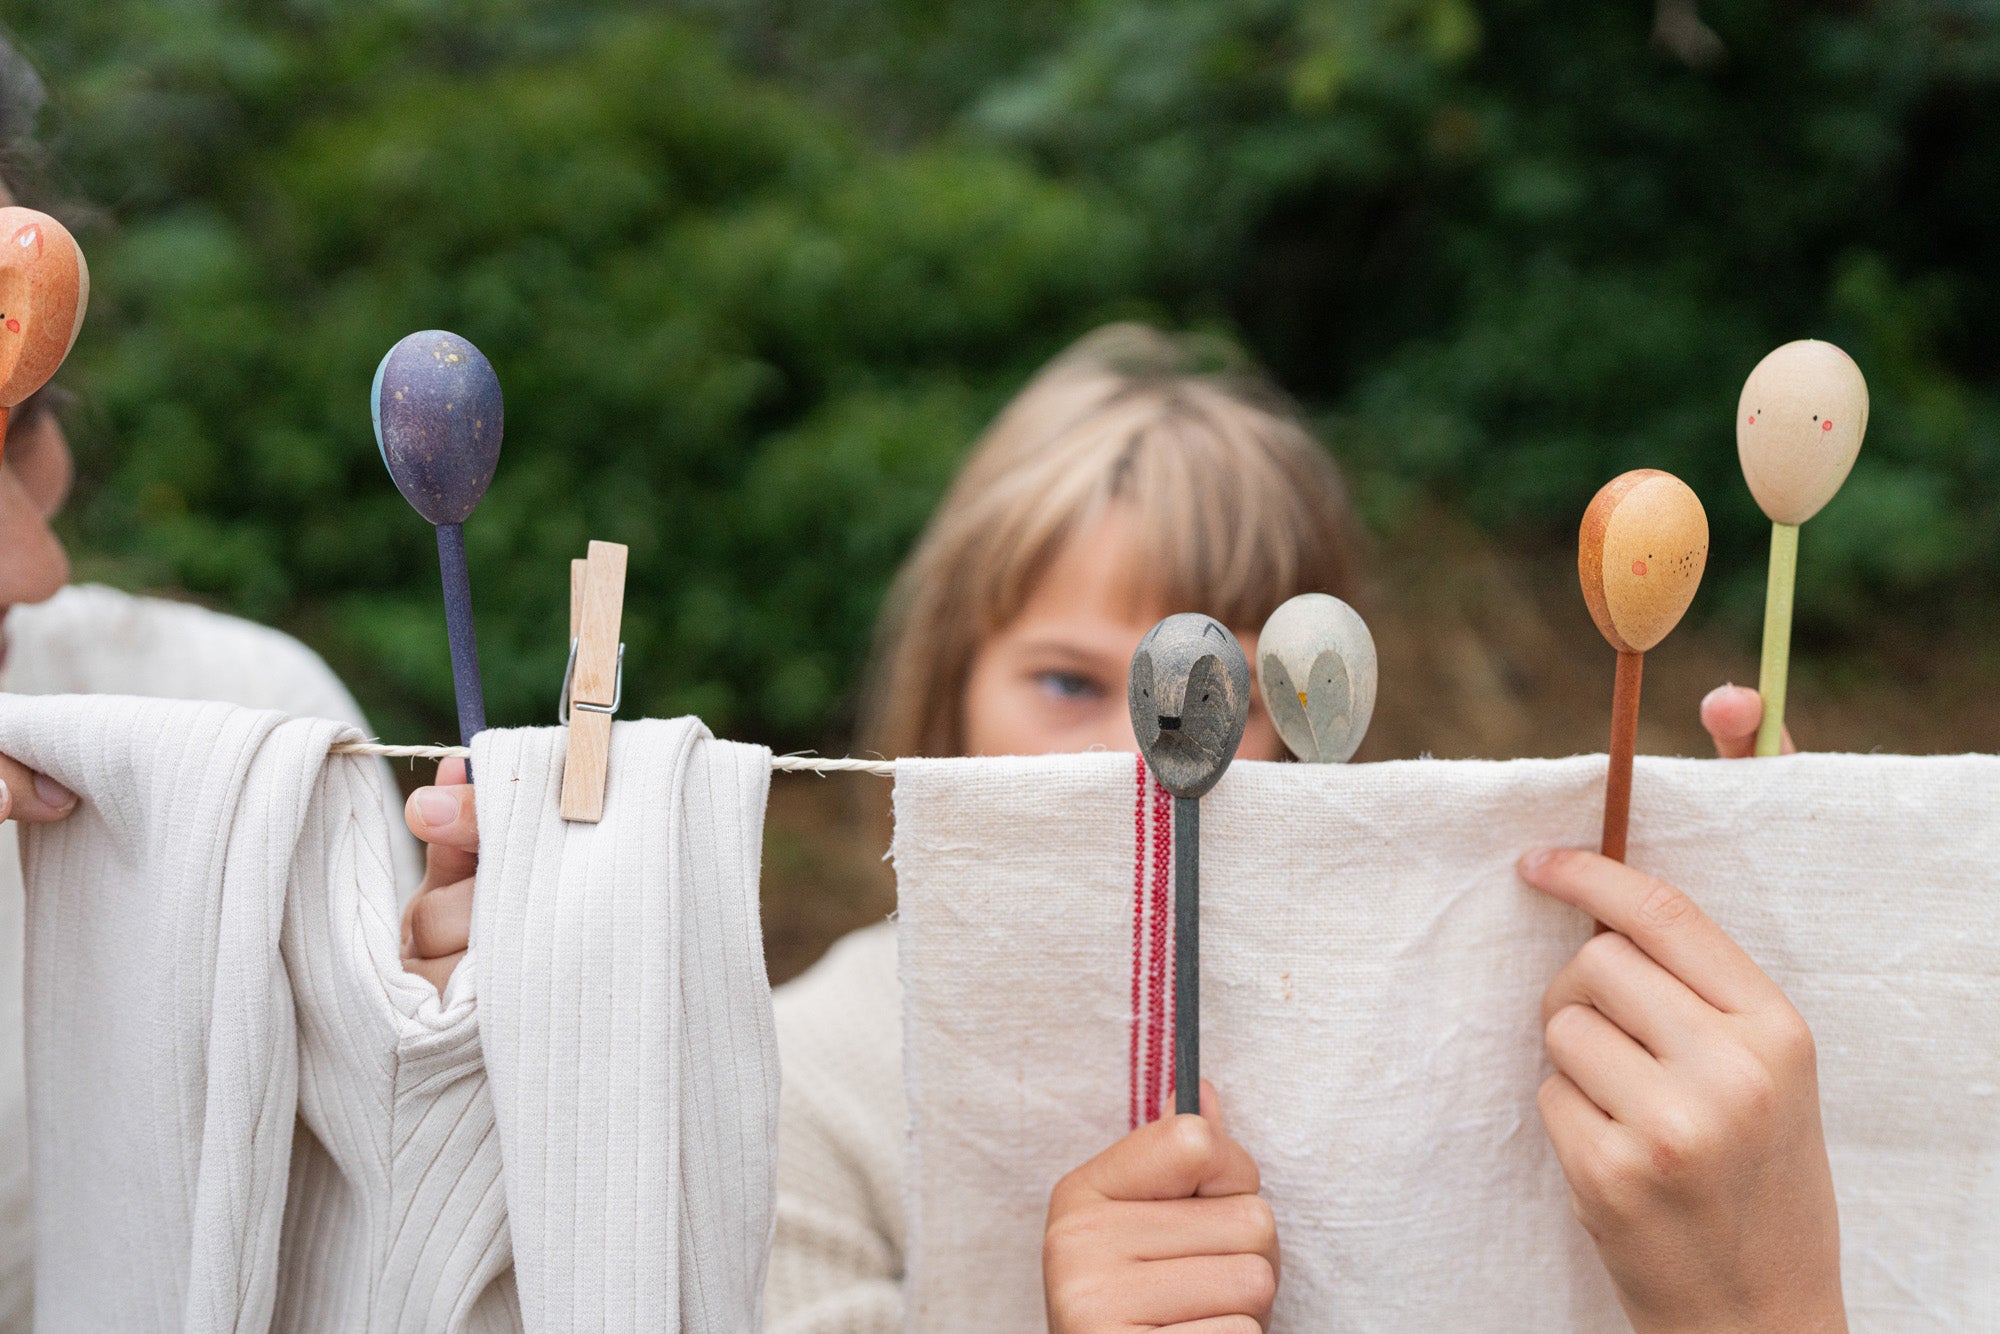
(30, 797)
(1732, 714)
(1168, 1292)
(450, 772)
(1171, 1159)
(1603, 1061)
(1624, 984)
(440, 921)
(1578, 1128)
(1658, 918)
(1177, 1229)
(1216, 1324)
(444, 816)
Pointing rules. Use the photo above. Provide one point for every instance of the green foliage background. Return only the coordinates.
(753, 273)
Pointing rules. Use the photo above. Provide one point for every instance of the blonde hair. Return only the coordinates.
(1235, 506)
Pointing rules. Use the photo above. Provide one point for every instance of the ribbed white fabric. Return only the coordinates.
(1371, 977)
(94, 640)
(628, 1028)
(212, 962)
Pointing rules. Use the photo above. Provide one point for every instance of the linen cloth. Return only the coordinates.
(244, 1114)
(1371, 978)
(88, 639)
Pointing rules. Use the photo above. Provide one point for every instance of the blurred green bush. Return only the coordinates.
(1506, 250)
(731, 333)
(754, 274)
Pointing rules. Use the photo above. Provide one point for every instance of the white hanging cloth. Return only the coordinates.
(1371, 979)
(245, 1115)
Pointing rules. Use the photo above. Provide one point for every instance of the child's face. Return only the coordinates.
(1054, 681)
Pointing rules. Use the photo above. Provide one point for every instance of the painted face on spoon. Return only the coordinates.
(1640, 556)
(44, 291)
(1799, 425)
(1316, 662)
(1189, 694)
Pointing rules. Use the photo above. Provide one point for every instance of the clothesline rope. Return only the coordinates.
(793, 764)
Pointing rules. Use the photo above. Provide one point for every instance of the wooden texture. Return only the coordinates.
(598, 621)
(1189, 696)
(1799, 427)
(44, 292)
(457, 581)
(1775, 666)
(1187, 955)
(1640, 554)
(436, 410)
(1624, 738)
(1799, 424)
(1316, 662)
(438, 422)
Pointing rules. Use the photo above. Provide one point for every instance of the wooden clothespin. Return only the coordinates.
(595, 681)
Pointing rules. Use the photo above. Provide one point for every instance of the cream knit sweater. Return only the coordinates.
(97, 641)
(837, 1264)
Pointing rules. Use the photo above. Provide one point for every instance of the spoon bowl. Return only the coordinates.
(1799, 424)
(1640, 555)
(1189, 693)
(44, 291)
(1316, 663)
(438, 418)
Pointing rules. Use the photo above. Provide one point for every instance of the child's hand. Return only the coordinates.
(1731, 715)
(30, 797)
(1685, 1112)
(437, 924)
(1163, 1230)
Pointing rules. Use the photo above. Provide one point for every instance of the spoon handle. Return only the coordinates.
(1777, 662)
(1187, 955)
(458, 624)
(1624, 737)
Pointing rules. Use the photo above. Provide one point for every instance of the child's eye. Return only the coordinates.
(1068, 685)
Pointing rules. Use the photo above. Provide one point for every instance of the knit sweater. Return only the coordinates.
(837, 1262)
(98, 641)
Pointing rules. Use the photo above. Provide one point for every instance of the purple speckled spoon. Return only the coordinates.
(436, 405)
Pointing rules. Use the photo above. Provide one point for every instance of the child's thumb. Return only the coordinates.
(1211, 1108)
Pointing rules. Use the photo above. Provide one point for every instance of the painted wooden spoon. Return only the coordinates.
(1640, 554)
(437, 410)
(1189, 693)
